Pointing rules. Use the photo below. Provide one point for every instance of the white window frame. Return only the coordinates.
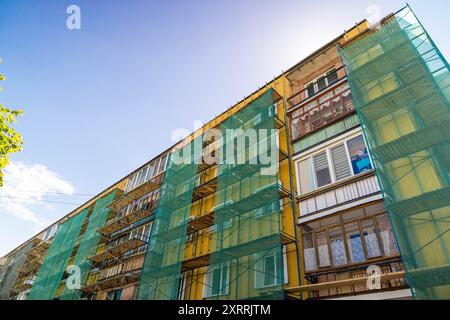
(285, 272)
(327, 147)
(207, 286)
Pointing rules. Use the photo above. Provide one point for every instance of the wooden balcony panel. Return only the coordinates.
(195, 263)
(204, 189)
(113, 281)
(202, 222)
(343, 283)
(118, 250)
(135, 193)
(126, 220)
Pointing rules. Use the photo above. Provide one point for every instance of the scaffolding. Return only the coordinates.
(89, 243)
(234, 249)
(400, 83)
(10, 272)
(160, 277)
(54, 266)
(247, 239)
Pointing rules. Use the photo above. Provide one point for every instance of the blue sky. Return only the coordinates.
(105, 99)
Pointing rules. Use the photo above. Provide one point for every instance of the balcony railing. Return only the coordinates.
(334, 195)
(331, 287)
(333, 105)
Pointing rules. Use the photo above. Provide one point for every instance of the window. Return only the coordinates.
(388, 241)
(354, 242)
(321, 82)
(332, 76)
(367, 55)
(379, 87)
(337, 246)
(217, 281)
(340, 162)
(305, 170)
(50, 232)
(322, 249)
(345, 159)
(310, 89)
(321, 169)
(114, 295)
(309, 252)
(148, 172)
(269, 270)
(358, 155)
(371, 238)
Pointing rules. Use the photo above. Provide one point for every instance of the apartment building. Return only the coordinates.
(344, 225)
(309, 222)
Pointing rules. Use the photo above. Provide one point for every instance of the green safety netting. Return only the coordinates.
(89, 244)
(239, 254)
(160, 276)
(400, 83)
(247, 255)
(9, 273)
(54, 265)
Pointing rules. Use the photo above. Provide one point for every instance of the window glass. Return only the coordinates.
(371, 238)
(310, 89)
(162, 164)
(151, 170)
(269, 270)
(305, 173)
(217, 281)
(332, 76)
(358, 155)
(354, 242)
(322, 246)
(321, 83)
(387, 236)
(337, 246)
(321, 169)
(309, 252)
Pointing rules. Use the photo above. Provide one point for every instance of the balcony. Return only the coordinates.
(116, 249)
(31, 266)
(333, 103)
(352, 281)
(130, 196)
(197, 258)
(121, 221)
(23, 284)
(38, 250)
(107, 282)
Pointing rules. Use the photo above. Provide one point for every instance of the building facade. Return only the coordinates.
(286, 195)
